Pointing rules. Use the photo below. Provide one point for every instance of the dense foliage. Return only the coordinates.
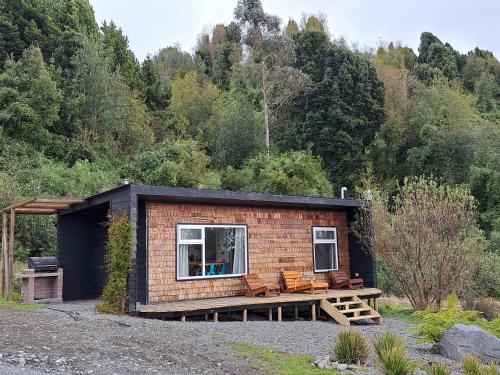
(256, 107)
(118, 264)
(432, 325)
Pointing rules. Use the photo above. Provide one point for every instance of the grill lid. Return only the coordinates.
(43, 264)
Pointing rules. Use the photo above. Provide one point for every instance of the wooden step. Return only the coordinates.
(359, 309)
(334, 312)
(346, 303)
(363, 317)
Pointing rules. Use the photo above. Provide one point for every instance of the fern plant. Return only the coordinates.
(433, 324)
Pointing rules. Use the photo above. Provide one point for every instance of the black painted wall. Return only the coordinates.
(81, 241)
(361, 261)
(141, 256)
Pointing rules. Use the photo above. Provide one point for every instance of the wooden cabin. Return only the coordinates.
(192, 244)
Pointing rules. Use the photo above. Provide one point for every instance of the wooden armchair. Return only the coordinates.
(256, 286)
(341, 280)
(294, 283)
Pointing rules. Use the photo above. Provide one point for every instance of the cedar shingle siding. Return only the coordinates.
(278, 238)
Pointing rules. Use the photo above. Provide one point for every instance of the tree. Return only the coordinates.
(421, 237)
(442, 57)
(272, 56)
(487, 92)
(182, 163)
(194, 99)
(171, 61)
(293, 173)
(123, 59)
(237, 131)
(107, 109)
(29, 99)
(340, 110)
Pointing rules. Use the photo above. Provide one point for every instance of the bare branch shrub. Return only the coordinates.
(427, 236)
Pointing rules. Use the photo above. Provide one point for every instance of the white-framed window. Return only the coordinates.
(207, 251)
(325, 251)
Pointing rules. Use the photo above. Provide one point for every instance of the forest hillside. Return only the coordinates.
(260, 105)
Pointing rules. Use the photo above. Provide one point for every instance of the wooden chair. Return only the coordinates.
(294, 283)
(256, 286)
(341, 279)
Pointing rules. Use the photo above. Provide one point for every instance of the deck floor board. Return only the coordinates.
(241, 302)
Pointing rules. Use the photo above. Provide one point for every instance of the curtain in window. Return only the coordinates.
(183, 261)
(239, 251)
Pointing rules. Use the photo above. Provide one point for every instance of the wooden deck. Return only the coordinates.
(241, 303)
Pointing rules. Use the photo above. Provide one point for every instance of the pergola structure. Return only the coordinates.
(32, 206)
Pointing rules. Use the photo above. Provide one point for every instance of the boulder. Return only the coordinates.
(462, 339)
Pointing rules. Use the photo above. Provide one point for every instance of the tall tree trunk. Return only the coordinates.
(266, 106)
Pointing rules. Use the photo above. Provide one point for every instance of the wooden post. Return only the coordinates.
(206, 316)
(245, 315)
(313, 312)
(270, 314)
(319, 312)
(296, 312)
(375, 304)
(279, 314)
(3, 253)
(183, 318)
(10, 259)
(216, 317)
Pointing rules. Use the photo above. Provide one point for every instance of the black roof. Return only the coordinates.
(224, 197)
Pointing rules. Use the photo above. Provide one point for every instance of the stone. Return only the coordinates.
(419, 372)
(61, 361)
(335, 364)
(341, 367)
(462, 339)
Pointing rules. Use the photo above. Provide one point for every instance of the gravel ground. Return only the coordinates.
(72, 338)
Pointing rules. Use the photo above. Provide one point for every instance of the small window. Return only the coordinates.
(211, 251)
(325, 249)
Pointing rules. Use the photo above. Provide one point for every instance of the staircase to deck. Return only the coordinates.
(348, 309)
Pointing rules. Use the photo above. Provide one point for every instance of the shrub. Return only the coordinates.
(395, 361)
(434, 324)
(118, 263)
(386, 342)
(438, 369)
(426, 228)
(350, 347)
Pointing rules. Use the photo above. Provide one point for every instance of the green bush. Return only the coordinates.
(386, 342)
(473, 366)
(395, 361)
(118, 263)
(438, 369)
(434, 324)
(350, 347)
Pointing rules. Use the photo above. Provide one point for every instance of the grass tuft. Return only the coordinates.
(350, 347)
(18, 304)
(395, 361)
(438, 368)
(386, 342)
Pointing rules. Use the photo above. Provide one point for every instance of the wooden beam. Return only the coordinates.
(270, 312)
(313, 312)
(245, 315)
(36, 211)
(3, 253)
(296, 312)
(279, 314)
(67, 200)
(10, 259)
(18, 204)
(216, 317)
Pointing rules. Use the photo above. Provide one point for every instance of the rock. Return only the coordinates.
(61, 361)
(21, 361)
(335, 364)
(322, 364)
(419, 372)
(462, 339)
(341, 366)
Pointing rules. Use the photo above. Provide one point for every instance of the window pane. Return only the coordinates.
(190, 234)
(224, 251)
(325, 234)
(189, 260)
(325, 256)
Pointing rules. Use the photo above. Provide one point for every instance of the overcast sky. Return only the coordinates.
(154, 24)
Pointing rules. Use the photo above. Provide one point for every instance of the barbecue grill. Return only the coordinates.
(43, 264)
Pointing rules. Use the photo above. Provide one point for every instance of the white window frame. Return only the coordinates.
(327, 241)
(202, 243)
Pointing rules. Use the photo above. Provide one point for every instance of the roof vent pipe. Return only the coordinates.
(342, 192)
(125, 181)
